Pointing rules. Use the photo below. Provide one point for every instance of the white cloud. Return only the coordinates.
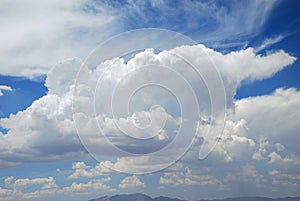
(282, 176)
(246, 174)
(269, 41)
(90, 187)
(42, 188)
(34, 41)
(137, 164)
(185, 177)
(83, 171)
(250, 174)
(131, 182)
(141, 125)
(21, 188)
(261, 134)
(273, 116)
(225, 23)
(233, 147)
(234, 66)
(5, 194)
(4, 88)
(263, 128)
(261, 152)
(79, 165)
(283, 181)
(276, 158)
(45, 182)
(45, 131)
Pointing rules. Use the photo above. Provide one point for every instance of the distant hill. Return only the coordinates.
(143, 197)
(134, 197)
(257, 199)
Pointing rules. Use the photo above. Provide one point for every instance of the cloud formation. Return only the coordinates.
(43, 188)
(47, 128)
(46, 131)
(187, 178)
(131, 182)
(75, 27)
(4, 88)
(65, 24)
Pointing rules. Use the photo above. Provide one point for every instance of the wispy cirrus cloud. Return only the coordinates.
(269, 42)
(32, 42)
(213, 23)
(36, 35)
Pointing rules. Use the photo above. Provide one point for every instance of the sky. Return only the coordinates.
(187, 99)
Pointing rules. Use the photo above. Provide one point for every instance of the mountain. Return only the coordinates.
(257, 199)
(143, 197)
(162, 198)
(134, 197)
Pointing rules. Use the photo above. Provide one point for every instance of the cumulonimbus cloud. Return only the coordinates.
(45, 131)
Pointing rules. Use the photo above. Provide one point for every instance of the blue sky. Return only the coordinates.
(245, 53)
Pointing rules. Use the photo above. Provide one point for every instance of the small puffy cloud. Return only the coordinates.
(234, 147)
(79, 165)
(136, 164)
(8, 181)
(276, 158)
(83, 171)
(4, 88)
(131, 182)
(185, 177)
(279, 147)
(43, 188)
(245, 175)
(92, 186)
(284, 181)
(21, 184)
(6, 194)
(250, 174)
(22, 188)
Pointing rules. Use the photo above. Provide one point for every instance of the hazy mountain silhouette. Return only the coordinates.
(257, 199)
(143, 197)
(134, 197)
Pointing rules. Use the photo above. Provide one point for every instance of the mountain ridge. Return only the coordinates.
(143, 197)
